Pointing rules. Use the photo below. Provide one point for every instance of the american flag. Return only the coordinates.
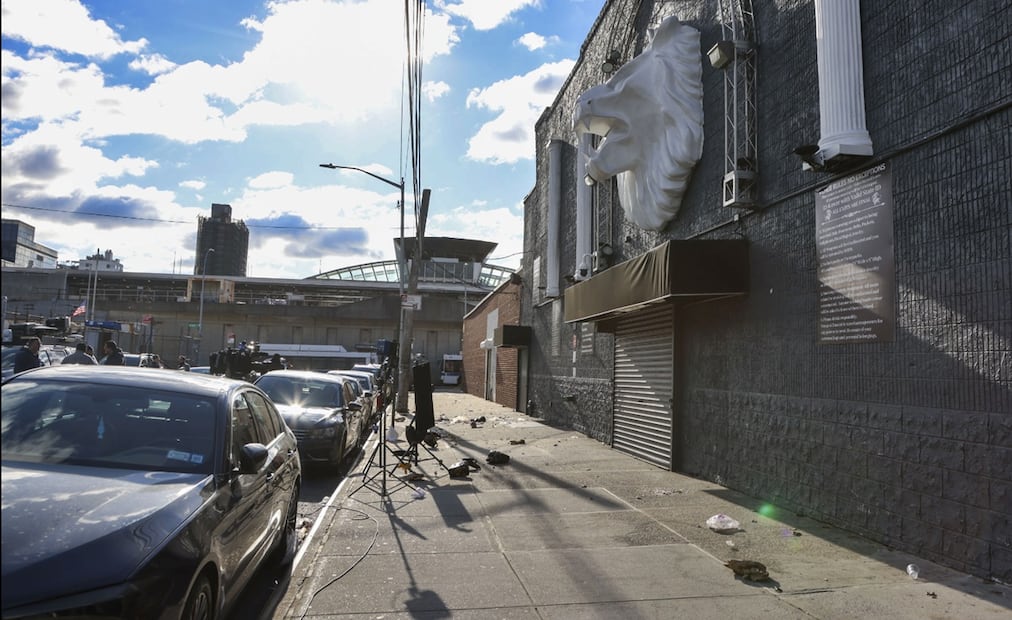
(80, 309)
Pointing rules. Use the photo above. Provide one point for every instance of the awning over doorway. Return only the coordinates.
(689, 268)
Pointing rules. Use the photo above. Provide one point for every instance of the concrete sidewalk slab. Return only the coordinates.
(570, 528)
(530, 532)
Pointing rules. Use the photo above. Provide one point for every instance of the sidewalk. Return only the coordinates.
(570, 528)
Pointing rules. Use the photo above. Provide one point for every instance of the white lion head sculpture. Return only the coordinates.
(651, 116)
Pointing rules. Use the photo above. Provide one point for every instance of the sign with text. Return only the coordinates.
(854, 243)
(413, 302)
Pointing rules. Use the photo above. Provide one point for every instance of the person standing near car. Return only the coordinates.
(113, 354)
(28, 357)
(80, 356)
(183, 364)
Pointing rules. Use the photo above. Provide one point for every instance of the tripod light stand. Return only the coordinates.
(388, 374)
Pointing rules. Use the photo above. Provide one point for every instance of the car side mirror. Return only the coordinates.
(354, 406)
(252, 457)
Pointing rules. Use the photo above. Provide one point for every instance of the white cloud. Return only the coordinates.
(194, 185)
(63, 25)
(485, 14)
(534, 41)
(152, 64)
(271, 180)
(503, 225)
(519, 101)
(435, 90)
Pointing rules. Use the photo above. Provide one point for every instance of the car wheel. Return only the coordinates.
(290, 537)
(200, 603)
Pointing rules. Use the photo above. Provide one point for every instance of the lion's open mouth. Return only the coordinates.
(612, 131)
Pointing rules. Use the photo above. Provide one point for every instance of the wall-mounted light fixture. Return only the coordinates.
(589, 180)
(809, 153)
(604, 255)
(723, 52)
(612, 62)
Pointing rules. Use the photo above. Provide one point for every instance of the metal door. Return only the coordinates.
(644, 367)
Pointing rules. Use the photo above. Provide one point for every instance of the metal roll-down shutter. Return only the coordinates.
(644, 364)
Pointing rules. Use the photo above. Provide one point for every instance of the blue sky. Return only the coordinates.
(124, 121)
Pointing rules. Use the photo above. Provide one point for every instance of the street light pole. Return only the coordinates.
(200, 319)
(404, 335)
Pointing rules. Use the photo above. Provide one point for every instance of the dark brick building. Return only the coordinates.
(892, 418)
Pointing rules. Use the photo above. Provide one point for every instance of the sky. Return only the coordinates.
(122, 122)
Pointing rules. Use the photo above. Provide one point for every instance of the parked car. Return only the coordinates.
(375, 369)
(363, 397)
(50, 354)
(384, 378)
(137, 494)
(322, 411)
(144, 360)
(367, 384)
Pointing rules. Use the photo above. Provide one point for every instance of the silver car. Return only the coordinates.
(367, 383)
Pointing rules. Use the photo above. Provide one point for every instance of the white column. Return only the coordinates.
(841, 79)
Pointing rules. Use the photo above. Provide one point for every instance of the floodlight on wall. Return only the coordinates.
(612, 62)
(723, 52)
(809, 153)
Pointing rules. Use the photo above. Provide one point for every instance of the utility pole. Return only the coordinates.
(200, 319)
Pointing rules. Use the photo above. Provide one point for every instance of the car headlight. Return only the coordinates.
(322, 433)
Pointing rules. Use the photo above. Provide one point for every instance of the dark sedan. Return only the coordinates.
(136, 494)
(321, 409)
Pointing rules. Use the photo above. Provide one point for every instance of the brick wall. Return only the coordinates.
(506, 301)
(907, 442)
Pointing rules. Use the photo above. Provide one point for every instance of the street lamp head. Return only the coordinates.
(203, 271)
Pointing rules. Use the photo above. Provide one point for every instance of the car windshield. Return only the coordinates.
(301, 392)
(46, 421)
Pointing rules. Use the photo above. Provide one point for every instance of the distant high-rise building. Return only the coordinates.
(228, 239)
